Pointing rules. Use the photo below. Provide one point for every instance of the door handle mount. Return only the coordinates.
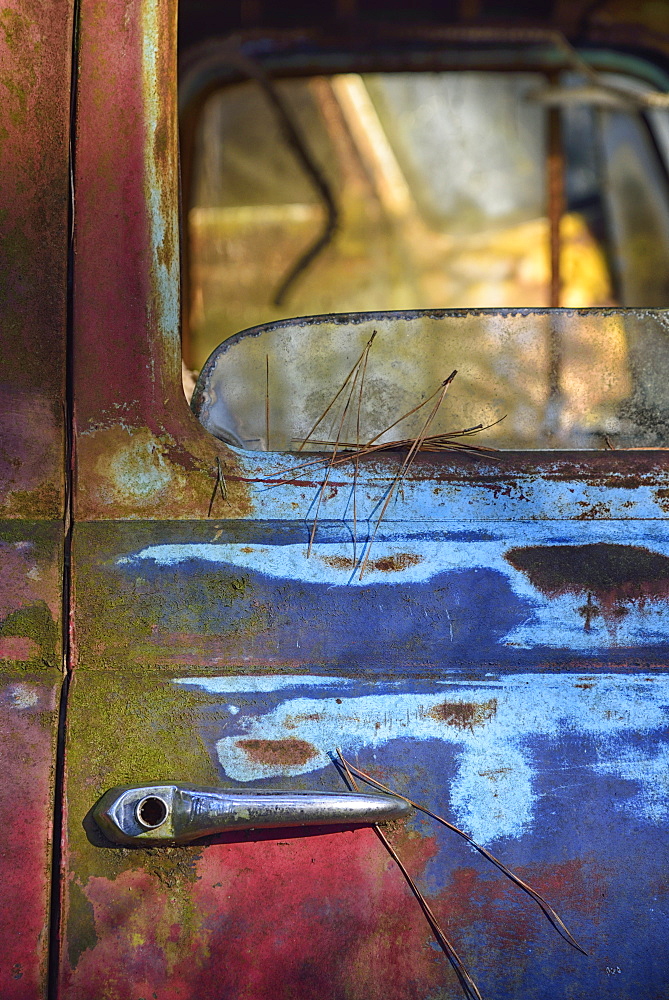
(177, 814)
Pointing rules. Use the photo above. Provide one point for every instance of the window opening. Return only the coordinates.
(474, 190)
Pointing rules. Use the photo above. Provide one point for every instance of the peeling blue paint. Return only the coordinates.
(281, 486)
(429, 595)
(500, 732)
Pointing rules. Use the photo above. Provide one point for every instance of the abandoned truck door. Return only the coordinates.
(482, 631)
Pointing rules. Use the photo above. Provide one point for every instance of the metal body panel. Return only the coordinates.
(209, 594)
(28, 730)
(544, 774)
(35, 56)
(30, 682)
(140, 452)
(255, 914)
(539, 726)
(35, 67)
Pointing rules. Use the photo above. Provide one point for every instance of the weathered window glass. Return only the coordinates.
(544, 379)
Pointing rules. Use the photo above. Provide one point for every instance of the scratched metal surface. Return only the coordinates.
(563, 776)
(515, 594)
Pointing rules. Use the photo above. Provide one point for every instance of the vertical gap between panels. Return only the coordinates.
(68, 460)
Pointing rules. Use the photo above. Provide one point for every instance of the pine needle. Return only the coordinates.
(329, 466)
(404, 416)
(444, 441)
(340, 390)
(267, 402)
(406, 465)
(543, 905)
(359, 367)
(469, 987)
(219, 486)
(357, 449)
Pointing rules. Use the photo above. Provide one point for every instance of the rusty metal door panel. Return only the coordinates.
(28, 729)
(209, 653)
(247, 916)
(327, 914)
(504, 659)
(30, 682)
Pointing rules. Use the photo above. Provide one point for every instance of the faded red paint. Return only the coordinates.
(18, 648)
(112, 274)
(321, 915)
(27, 577)
(35, 47)
(308, 917)
(481, 900)
(30, 606)
(28, 717)
(140, 452)
(35, 70)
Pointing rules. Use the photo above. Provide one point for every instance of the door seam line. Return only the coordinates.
(55, 898)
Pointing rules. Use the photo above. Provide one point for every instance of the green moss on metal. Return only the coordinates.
(81, 924)
(34, 622)
(127, 729)
(46, 502)
(127, 613)
(13, 27)
(132, 728)
(19, 39)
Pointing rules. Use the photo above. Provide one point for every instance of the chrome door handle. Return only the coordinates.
(179, 813)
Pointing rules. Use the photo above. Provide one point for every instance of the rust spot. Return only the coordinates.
(662, 497)
(387, 564)
(612, 575)
(592, 512)
(464, 714)
(391, 564)
(290, 751)
(292, 721)
(339, 562)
